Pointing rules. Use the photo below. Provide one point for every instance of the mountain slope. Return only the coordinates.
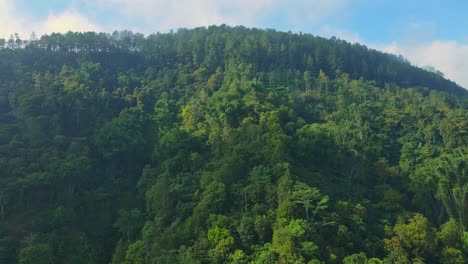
(227, 145)
(267, 50)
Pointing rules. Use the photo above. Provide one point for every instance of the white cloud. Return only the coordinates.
(10, 22)
(69, 20)
(14, 21)
(163, 15)
(450, 57)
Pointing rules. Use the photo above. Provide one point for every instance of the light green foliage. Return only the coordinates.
(360, 258)
(284, 196)
(238, 257)
(135, 253)
(36, 253)
(216, 234)
(452, 256)
(375, 261)
(310, 198)
(308, 249)
(291, 243)
(448, 233)
(223, 245)
(414, 239)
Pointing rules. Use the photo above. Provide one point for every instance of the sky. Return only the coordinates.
(426, 32)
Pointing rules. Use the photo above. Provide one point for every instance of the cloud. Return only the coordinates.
(151, 16)
(69, 20)
(14, 21)
(9, 20)
(163, 15)
(450, 57)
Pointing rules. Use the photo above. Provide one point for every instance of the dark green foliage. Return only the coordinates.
(227, 145)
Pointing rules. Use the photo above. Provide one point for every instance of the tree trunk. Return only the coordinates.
(245, 201)
(315, 212)
(2, 209)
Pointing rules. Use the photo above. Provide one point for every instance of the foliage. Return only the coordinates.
(227, 145)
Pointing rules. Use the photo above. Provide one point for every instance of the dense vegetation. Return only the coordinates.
(227, 145)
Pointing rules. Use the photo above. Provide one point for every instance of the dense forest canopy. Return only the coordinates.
(227, 145)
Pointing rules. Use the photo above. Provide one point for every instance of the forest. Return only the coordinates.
(227, 145)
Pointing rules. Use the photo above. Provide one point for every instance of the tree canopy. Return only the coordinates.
(227, 145)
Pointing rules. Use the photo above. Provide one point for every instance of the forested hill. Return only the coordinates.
(227, 145)
(282, 54)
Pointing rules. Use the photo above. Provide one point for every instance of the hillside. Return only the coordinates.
(227, 145)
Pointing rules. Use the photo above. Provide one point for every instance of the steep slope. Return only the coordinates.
(227, 145)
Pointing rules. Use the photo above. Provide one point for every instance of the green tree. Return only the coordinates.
(129, 222)
(412, 240)
(452, 171)
(310, 198)
(36, 253)
(135, 253)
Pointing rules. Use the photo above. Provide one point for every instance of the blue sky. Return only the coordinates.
(426, 32)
